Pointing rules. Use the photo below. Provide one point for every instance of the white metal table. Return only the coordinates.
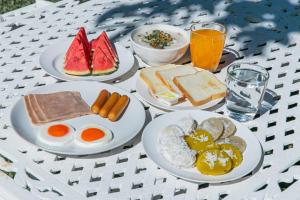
(263, 32)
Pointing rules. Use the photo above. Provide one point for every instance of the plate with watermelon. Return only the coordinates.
(80, 59)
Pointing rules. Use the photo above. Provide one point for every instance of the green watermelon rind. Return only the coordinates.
(78, 73)
(104, 72)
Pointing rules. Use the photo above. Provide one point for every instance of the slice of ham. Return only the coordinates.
(44, 108)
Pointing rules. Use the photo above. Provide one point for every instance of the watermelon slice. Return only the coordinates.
(77, 59)
(101, 63)
(101, 41)
(110, 45)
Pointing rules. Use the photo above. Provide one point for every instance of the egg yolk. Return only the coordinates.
(58, 130)
(92, 134)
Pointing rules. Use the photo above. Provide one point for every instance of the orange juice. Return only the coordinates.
(206, 48)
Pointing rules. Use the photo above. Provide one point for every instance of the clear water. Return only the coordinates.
(245, 90)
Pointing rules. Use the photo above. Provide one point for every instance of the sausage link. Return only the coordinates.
(111, 101)
(100, 101)
(118, 108)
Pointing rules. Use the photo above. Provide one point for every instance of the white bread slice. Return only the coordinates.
(167, 75)
(155, 84)
(200, 87)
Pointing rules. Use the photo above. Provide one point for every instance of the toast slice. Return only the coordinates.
(167, 76)
(157, 88)
(200, 87)
(154, 83)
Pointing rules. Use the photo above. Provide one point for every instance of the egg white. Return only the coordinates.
(104, 140)
(47, 139)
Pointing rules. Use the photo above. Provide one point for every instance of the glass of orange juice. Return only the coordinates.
(206, 45)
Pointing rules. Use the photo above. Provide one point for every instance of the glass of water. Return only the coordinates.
(246, 84)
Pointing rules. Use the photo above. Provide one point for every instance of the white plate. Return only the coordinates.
(123, 130)
(145, 93)
(251, 157)
(52, 61)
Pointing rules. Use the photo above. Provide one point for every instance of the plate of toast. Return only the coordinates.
(180, 87)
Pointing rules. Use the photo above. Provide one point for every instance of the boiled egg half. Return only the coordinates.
(56, 134)
(93, 135)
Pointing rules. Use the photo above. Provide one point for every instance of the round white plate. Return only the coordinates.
(251, 157)
(52, 61)
(145, 93)
(128, 126)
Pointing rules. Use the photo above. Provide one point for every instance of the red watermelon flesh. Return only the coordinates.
(77, 59)
(102, 64)
(111, 46)
(100, 41)
(82, 33)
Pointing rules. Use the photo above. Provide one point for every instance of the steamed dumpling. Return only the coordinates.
(188, 125)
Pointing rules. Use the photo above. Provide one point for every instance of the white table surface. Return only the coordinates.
(263, 32)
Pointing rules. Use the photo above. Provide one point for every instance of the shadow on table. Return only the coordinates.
(128, 75)
(269, 20)
(269, 101)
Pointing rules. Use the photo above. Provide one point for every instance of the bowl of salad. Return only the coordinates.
(159, 44)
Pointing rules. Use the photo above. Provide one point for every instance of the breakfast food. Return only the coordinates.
(229, 127)
(56, 134)
(97, 57)
(188, 125)
(118, 108)
(172, 84)
(100, 101)
(103, 60)
(188, 145)
(234, 153)
(214, 126)
(77, 59)
(94, 135)
(214, 162)
(112, 51)
(110, 106)
(44, 108)
(167, 76)
(200, 141)
(157, 87)
(175, 149)
(111, 101)
(159, 39)
(235, 141)
(200, 87)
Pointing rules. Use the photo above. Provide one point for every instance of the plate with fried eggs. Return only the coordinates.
(83, 135)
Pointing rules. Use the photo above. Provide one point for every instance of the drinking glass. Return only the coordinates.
(206, 44)
(246, 84)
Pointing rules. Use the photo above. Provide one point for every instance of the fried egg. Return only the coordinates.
(56, 134)
(93, 135)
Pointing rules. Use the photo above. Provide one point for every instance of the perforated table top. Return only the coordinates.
(262, 32)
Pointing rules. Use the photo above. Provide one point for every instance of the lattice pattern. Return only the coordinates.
(254, 35)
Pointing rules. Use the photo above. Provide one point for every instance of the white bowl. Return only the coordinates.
(157, 57)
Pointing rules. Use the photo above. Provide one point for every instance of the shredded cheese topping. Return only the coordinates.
(223, 161)
(201, 138)
(229, 152)
(210, 159)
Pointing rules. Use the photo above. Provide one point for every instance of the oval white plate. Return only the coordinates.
(145, 93)
(52, 61)
(128, 126)
(251, 157)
